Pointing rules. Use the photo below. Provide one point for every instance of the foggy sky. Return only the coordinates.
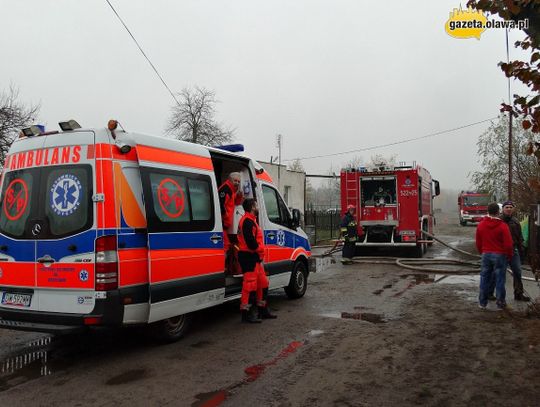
(329, 75)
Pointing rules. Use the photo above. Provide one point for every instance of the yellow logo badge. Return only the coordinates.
(466, 23)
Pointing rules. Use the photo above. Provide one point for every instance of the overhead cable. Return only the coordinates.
(144, 54)
(392, 143)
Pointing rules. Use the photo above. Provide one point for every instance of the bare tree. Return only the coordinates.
(14, 115)
(193, 119)
(493, 159)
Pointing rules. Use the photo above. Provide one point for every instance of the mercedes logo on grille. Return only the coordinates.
(36, 229)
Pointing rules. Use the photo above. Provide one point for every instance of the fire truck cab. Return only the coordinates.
(393, 205)
(472, 206)
(103, 227)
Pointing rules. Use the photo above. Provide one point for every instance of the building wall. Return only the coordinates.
(291, 184)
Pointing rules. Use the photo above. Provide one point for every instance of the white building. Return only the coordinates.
(291, 184)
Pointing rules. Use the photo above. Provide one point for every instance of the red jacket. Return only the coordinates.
(493, 236)
(228, 199)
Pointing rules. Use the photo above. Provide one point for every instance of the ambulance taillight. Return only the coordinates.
(106, 263)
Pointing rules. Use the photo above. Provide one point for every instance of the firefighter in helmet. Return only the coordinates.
(349, 233)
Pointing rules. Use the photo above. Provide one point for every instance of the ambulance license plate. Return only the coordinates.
(20, 300)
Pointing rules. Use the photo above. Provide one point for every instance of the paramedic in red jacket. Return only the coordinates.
(494, 242)
(250, 256)
(230, 195)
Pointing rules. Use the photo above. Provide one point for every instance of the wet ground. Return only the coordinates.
(364, 334)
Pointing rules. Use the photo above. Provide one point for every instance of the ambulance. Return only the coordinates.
(104, 227)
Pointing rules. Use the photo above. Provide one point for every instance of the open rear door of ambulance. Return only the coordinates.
(48, 231)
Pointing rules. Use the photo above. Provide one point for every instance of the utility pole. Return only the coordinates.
(509, 126)
(278, 145)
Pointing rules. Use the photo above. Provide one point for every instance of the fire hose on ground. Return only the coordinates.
(417, 265)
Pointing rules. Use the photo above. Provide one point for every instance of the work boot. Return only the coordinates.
(521, 297)
(264, 313)
(249, 317)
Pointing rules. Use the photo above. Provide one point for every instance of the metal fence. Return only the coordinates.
(322, 225)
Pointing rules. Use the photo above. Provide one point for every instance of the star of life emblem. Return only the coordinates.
(65, 195)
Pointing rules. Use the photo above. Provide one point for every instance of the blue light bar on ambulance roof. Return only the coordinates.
(233, 148)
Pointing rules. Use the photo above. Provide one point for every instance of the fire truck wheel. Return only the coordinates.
(419, 250)
(298, 283)
(171, 329)
(463, 222)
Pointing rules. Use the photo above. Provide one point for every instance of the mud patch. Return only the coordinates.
(200, 344)
(127, 377)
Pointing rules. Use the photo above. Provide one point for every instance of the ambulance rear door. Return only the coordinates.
(47, 226)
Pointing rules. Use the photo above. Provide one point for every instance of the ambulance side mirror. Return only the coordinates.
(295, 218)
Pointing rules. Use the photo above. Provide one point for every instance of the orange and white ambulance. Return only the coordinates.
(107, 227)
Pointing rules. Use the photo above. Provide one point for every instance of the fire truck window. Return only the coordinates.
(476, 200)
(16, 201)
(375, 192)
(69, 190)
(177, 201)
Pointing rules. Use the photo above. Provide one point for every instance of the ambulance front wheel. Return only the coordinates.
(298, 284)
(171, 329)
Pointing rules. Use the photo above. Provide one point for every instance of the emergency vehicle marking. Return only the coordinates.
(66, 192)
(16, 199)
(171, 197)
(42, 157)
(280, 238)
(412, 192)
(83, 275)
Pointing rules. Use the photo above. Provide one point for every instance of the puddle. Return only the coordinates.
(331, 315)
(457, 279)
(33, 362)
(364, 316)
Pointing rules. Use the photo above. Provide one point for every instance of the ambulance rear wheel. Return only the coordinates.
(298, 284)
(171, 329)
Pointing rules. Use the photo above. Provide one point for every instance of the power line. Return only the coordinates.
(142, 52)
(392, 143)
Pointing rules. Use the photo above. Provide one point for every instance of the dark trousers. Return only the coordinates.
(348, 250)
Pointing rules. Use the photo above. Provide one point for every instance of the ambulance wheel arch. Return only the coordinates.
(298, 283)
(171, 329)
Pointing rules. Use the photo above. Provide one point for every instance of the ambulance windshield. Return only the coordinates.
(46, 202)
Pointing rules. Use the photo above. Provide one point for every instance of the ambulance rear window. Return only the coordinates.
(17, 198)
(46, 202)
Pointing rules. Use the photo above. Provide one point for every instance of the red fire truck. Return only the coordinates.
(472, 206)
(393, 205)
